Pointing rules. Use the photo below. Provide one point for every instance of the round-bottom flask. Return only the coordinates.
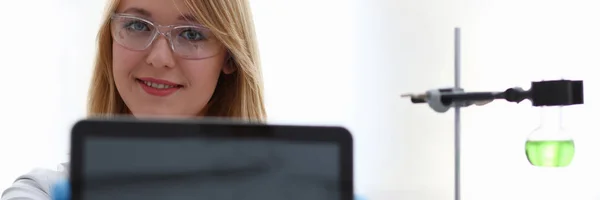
(550, 145)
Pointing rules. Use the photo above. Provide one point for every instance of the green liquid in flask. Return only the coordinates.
(558, 153)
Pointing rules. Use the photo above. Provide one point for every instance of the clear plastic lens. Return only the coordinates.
(194, 42)
(132, 33)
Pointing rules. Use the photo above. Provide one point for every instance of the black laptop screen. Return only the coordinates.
(196, 168)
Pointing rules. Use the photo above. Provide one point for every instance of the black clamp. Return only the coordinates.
(542, 93)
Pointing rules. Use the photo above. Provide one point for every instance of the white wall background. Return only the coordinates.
(345, 62)
(46, 51)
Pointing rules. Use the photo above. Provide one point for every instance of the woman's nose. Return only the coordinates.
(161, 53)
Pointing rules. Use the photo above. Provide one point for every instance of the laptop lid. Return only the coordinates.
(209, 159)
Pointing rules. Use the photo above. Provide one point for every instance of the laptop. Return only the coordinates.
(134, 159)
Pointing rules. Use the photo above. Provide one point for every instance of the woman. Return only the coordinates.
(178, 58)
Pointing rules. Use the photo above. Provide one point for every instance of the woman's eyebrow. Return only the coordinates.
(145, 13)
(188, 18)
(139, 11)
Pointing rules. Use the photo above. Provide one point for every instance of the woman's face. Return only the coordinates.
(164, 63)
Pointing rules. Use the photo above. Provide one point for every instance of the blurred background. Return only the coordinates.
(345, 62)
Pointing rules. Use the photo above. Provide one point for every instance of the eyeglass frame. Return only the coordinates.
(166, 34)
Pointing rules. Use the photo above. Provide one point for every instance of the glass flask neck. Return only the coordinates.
(551, 117)
(551, 125)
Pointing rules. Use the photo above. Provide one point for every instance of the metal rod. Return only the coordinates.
(457, 179)
(471, 96)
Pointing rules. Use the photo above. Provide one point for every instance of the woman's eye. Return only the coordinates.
(137, 26)
(192, 35)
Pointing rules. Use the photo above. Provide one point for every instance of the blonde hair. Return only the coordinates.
(237, 95)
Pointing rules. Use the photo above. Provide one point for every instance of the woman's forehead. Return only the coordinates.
(160, 11)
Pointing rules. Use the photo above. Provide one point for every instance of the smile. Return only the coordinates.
(157, 87)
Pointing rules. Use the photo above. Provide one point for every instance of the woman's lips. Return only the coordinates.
(158, 87)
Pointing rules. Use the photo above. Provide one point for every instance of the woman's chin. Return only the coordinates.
(158, 115)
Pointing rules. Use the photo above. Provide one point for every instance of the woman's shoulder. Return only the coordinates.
(35, 185)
